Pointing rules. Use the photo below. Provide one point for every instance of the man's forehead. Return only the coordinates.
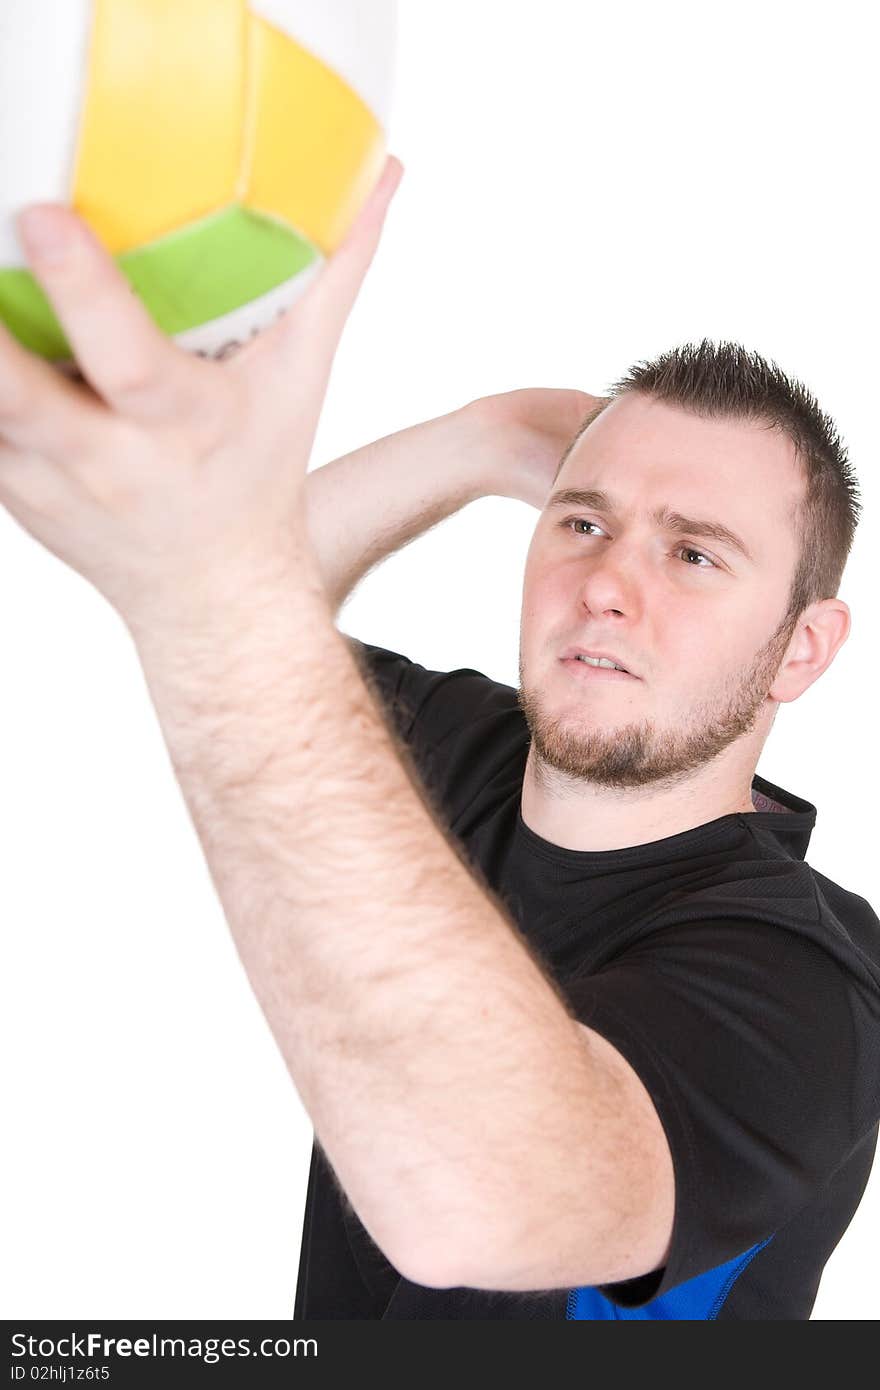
(640, 427)
(739, 479)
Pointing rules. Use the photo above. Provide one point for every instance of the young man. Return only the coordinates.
(695, 535)
(580, 1032)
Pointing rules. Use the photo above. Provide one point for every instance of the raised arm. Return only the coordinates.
(370, 503)
(177, 490)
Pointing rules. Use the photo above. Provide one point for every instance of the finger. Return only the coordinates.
(42, 411)
(119, 349)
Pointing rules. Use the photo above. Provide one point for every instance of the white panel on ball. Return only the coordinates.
(43, 54)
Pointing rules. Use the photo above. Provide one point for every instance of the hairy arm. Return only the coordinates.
(483, 1135)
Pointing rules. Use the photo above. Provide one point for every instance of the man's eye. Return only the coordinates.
(701, 562)
(689, 550)
(572, 523)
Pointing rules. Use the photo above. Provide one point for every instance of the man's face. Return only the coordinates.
(696, 622)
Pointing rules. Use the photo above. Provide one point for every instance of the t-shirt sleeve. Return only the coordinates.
(761, 1053)
(424, 706)
(462, 731)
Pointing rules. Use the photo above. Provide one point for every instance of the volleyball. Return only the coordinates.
(219, 149)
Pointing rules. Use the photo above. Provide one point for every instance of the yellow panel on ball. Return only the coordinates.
(313, 149)
(160, 141)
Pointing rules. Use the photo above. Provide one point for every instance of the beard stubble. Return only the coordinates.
(639, 754)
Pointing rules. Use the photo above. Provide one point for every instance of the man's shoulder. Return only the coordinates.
(432, 703)
(848, 917)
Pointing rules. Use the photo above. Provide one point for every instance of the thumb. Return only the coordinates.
(329, 300)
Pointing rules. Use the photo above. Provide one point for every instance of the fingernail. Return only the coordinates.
(45, 232)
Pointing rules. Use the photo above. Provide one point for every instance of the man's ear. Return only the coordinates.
(821, 631)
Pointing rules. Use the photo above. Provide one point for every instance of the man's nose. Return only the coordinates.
(613, 583)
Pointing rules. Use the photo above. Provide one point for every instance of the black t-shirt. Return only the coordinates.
(741, 985)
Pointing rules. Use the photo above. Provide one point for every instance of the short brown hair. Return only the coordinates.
(725, 380)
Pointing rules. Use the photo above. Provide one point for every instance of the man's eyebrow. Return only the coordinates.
(664, 517)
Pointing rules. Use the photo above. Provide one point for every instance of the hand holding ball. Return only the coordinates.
(219, 149)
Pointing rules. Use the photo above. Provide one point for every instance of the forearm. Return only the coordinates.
(422, 1036)
(370, 503)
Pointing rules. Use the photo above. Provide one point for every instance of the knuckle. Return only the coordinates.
(131, 380)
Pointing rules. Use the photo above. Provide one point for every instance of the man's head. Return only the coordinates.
(715, 637)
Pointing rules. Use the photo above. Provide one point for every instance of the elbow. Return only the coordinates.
(447, 1263)
(425, 1264)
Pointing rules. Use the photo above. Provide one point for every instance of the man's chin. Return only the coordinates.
(611, 759)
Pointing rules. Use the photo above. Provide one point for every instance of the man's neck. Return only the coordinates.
(584, 816)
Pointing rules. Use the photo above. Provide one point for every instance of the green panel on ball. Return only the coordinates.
(203, 270)
(25, 311)
(211, 267)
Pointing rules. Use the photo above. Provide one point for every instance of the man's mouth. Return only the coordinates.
(598, 660)
(601, 661)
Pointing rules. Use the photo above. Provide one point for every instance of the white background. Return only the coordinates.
(585, 187)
